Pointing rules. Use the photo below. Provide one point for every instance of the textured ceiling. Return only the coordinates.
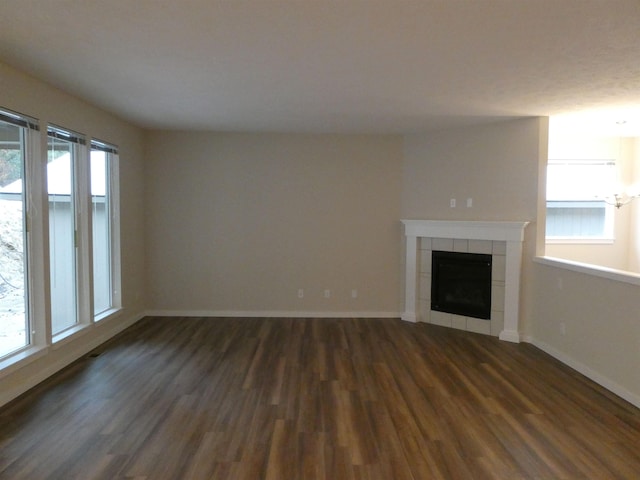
(366, 66)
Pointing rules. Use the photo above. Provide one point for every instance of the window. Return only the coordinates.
(16, 134)
(63, 154)
(103, 167)
(59, 265)
(576, 210)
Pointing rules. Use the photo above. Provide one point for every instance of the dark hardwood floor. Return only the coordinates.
(197, 398)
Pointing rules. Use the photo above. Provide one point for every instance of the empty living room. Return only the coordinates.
(319, 239)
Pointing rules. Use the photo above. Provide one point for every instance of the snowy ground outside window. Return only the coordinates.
(12, 301)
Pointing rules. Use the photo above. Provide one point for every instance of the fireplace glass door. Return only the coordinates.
(461, 284)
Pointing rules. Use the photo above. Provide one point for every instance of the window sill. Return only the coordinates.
(624, 276)
(69, 334)
(110, 313)
(579, 241)
(21, 358)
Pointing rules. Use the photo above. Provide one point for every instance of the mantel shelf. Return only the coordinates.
(471, 230)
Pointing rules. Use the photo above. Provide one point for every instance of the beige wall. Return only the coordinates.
(634, 208)
(495, 165)
(239, 222)
(29, 96)
(601, 325)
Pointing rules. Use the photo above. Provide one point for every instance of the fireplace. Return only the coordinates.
(503, 241)
(461, 283)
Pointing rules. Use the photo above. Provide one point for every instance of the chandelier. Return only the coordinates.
(618, 199)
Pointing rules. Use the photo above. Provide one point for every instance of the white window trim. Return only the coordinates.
(20, 358)
(114, 234)
(79, 186)
(116, 263)
(579, 241)
(30, 143)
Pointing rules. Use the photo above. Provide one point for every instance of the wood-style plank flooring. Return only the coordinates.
(284, 399)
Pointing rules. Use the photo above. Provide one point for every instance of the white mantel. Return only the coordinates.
(510, 232)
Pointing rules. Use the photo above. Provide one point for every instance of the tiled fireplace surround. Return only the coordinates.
(503, 240)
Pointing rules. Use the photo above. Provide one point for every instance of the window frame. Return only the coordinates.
(78, 181)
(608, 231)
(29, 146)
(37, 241)
(112, 175)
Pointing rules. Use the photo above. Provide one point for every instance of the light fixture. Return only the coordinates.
(618, 200)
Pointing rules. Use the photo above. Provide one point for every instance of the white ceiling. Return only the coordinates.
(370, 66)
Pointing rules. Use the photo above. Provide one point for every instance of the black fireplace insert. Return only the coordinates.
(461, 284)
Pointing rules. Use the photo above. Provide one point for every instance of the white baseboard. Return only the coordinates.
(585, 370)
(510, 336)
(268, 314)
(410, 317)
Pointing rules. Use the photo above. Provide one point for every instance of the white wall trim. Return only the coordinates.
(510, 336)
(585, 370)
(268, 314)
(487, 230)
(632, 278)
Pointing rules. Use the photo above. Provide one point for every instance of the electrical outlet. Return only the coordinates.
(300, 293)
(354, 293)
(327, 294)
(469, 202)
(563, 328)
(452, 203)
